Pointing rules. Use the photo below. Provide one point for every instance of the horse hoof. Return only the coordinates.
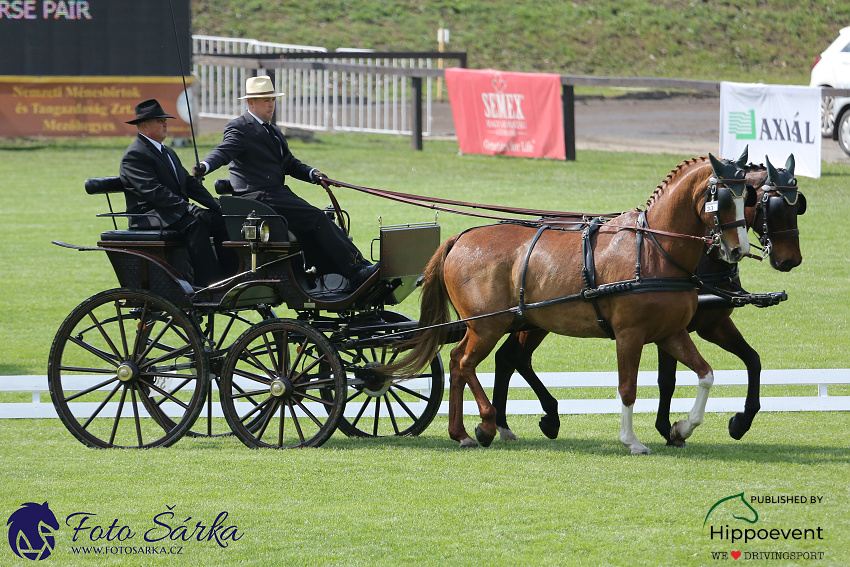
(677, 438)
(506, 434)
(483, 438)
(550, 426)
(738, 426)
(640, 450)
(468, 443)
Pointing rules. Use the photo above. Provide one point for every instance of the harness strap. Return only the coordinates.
(642, 222)
(588, 273)
(521, 306)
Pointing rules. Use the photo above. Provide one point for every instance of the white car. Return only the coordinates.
(832, 69)
(841, 120)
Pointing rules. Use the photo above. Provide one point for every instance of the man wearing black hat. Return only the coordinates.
(158, 189)
(260, 160)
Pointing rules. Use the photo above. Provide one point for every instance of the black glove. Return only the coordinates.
(317, 175)
(200, 213)
(198, 171)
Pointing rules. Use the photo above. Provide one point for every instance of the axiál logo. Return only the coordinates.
(31, 530)
(743, 125)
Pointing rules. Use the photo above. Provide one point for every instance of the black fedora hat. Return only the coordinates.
(148, 110)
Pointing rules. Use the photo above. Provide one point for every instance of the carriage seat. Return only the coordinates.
(107, 185)
(236, 209)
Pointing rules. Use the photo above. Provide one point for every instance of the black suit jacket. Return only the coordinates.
(152, 187)
(256, 161)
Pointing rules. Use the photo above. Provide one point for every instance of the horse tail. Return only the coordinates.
(433, 318)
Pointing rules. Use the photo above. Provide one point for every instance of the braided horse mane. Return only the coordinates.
(659, 189)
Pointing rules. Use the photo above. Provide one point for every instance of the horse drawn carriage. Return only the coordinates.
(135, 366)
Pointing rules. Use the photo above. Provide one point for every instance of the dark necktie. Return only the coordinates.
(168, 158)
(276, 140)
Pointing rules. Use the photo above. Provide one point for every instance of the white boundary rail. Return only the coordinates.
(605, 381)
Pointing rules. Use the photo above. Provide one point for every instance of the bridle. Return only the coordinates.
(791, 195)
(723, 189)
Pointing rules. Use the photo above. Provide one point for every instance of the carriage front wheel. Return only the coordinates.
(282, 386)
(127, 369)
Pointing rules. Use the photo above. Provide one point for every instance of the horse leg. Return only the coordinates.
(727, 336)
(505, 367)
(465, 357)
(666, 387)
(628, 360)
(515, 353)
(682, 348)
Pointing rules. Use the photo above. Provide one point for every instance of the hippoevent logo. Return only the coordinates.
(734, 520)
(31, 530)
(169, 532)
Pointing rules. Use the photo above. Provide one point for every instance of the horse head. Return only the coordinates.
(725, 208)
(775, 216)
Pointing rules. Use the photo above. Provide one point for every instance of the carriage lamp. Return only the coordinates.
(255, 230)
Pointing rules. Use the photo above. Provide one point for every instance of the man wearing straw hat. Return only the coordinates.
(260, 160)
(158, 189)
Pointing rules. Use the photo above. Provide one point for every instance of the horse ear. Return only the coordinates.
(789, 165)
(716, 165)
(745, 157)
(771, 172)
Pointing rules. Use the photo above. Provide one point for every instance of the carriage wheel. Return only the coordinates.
(378, 405)
(127, 369)
(283, 386)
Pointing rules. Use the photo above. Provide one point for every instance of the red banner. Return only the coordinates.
(87, 106)
(514, 114)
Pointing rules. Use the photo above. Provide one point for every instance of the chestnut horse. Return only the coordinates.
(630, 280)
(774, 219)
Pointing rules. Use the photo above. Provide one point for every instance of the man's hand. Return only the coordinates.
(200, 213)
(198, 171)
(317, 175)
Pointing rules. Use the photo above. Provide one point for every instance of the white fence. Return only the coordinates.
(315, 99)
(819, 379)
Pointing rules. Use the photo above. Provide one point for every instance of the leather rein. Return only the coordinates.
(552, 218)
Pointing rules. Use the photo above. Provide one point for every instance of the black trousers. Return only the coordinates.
(210, 263)
(325, 244)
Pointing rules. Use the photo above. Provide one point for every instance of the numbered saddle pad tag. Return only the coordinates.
(711, 206)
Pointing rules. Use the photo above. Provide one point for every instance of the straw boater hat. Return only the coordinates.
(259, 87)
(148, 110)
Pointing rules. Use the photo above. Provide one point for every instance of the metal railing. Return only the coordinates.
(346, 90)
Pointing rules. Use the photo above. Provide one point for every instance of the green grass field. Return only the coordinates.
(578, 500)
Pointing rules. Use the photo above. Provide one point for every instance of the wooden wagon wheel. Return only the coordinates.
(282, 386)
(378, 405)
(128, 369)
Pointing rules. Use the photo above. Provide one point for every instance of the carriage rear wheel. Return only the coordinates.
(282, 386)
(222, 329)
(128, 369)
(378, 405)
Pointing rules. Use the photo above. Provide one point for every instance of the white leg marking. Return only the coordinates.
(468, 443)
(627, 432)
(697, 414)
(506, 434)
